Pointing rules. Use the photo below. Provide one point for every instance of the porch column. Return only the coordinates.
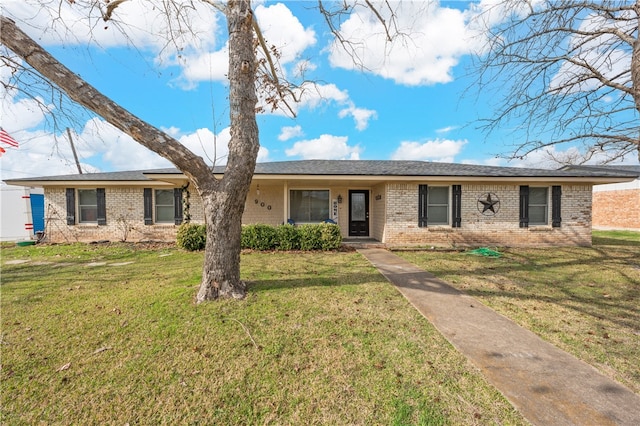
(285, 209)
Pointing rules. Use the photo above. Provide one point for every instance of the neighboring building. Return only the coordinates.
(615, 205)
(22, 212)
(399, 203)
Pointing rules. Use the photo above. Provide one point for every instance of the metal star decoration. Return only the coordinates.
(488, 202)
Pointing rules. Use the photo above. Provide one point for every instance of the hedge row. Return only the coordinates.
(322, 236)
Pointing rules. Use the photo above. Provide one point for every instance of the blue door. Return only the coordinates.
(37, 212)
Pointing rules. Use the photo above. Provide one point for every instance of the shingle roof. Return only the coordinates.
(620, 169)
(414, 168)
(364, 168)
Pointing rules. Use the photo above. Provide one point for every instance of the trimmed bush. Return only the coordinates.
(310, 237)
(258, 237)
(288, 237)
(191, 236)
(330, 236)
(323, 236)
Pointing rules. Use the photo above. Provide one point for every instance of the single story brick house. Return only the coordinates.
(615, 205)
(398, 203)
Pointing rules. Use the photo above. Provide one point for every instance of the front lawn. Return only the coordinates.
(584, 300)
(109, 334)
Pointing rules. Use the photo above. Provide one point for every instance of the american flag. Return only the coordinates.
(6, 138)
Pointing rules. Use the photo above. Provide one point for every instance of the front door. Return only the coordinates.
(358, 213)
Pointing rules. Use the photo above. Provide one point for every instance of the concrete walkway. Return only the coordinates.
(547, 385)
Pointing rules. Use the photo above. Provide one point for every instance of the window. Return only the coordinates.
(164, 206)
(534, 206)
(91, 206)
(309, 206)
(88, 205)
(538, 206)
(434, 205)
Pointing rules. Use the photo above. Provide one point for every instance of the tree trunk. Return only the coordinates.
(224, 207)
(635, 69)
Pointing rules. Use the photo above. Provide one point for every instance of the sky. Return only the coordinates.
(412, 99)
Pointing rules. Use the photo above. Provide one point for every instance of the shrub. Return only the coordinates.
(287, 237)
(323, 236)
(309, 237)
(191, 236)
(330, 236)
(258, 237)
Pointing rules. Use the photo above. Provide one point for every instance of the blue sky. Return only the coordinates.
(409, 104)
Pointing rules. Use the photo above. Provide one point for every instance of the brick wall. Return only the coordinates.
(265, 207)
(394, 216)
(617, 209)
(501, 229)
(125, 219)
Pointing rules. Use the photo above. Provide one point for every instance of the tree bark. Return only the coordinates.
(635, 69)
(223, 199)
(224, 208)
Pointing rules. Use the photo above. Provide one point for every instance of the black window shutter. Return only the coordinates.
(524, 206)
(148, 206)
(456, 206)
(556, 195)
(422, 205)
(71, 206)
(177, 205)
(102, 206)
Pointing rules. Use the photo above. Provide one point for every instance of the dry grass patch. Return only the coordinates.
(584, 300)
(321, 338)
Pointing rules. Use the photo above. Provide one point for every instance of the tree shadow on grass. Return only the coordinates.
(572, 287)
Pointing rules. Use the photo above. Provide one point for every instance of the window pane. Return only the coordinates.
(88, 214)
(438, 205)
(358, 207)
(438, 195)
(87, 197)
(308, 206)
(164, 214)
(537, 215)
(438, 215)
(164, 197)
(88, 205)
(538, 196)
(164, 205)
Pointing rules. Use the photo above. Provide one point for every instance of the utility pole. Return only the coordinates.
(73, 149)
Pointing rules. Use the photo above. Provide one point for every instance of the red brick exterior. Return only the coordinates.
(617, 209)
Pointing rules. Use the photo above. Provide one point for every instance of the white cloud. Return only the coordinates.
(440, 150)
(145, 24)
(279, 28)
(103, 144)
(434, 38)
(326, 147)
(289, 132)
(282, 29)
(206, 66)
(446, 129)
(361, 116)
(314, 95)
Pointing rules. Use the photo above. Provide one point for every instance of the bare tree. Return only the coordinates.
(572, 74)
(223, 198)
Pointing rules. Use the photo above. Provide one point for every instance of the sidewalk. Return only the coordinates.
(547, 385)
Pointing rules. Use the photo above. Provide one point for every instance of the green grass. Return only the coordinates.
(584, 300)
(625, 238)
(110, 334)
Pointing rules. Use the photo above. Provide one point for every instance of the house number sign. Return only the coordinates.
(488, 204)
